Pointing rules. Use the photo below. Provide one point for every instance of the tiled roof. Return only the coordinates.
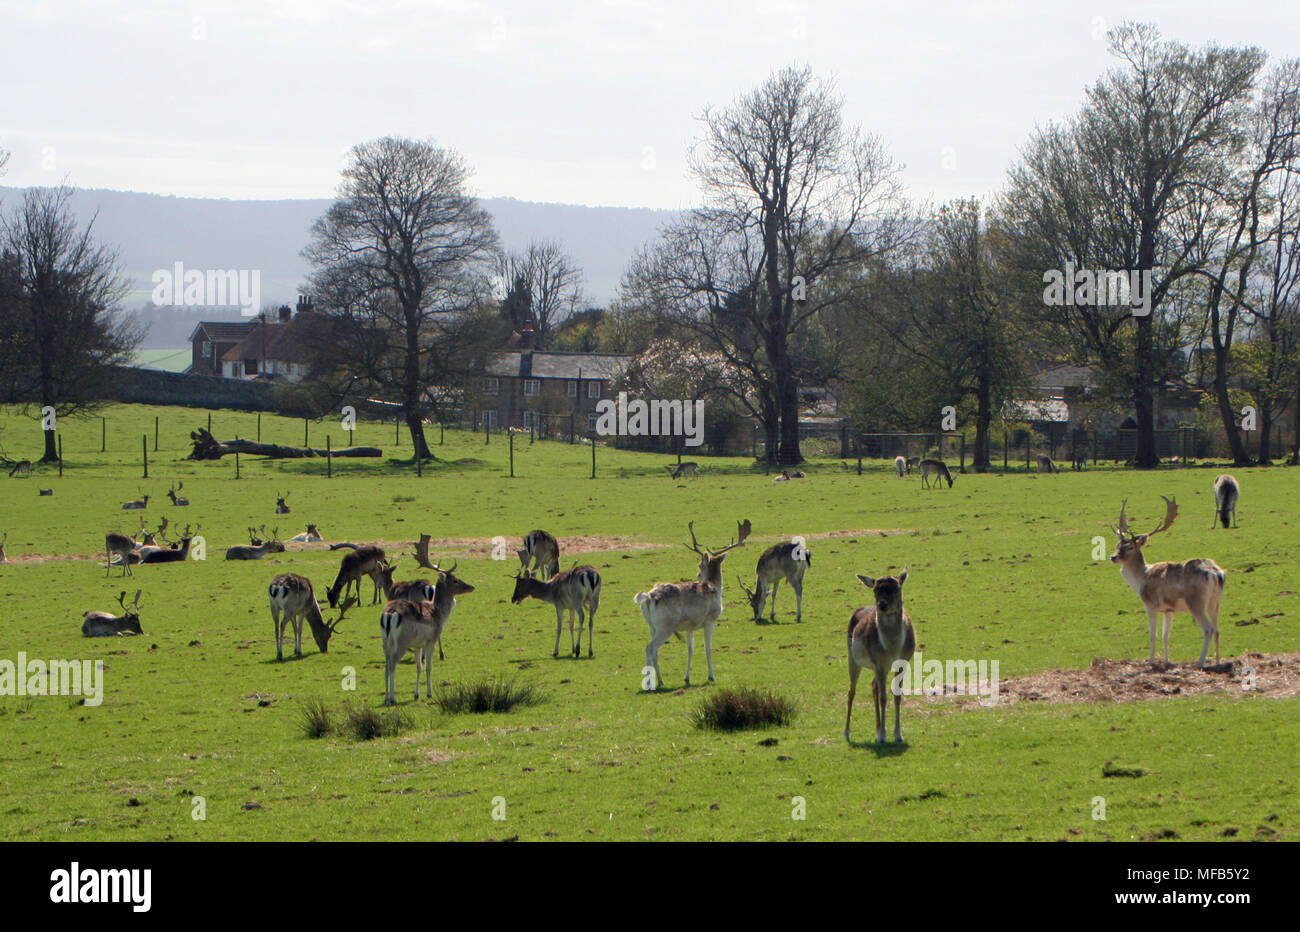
(537, 365)
(272, 341)
(223, 331)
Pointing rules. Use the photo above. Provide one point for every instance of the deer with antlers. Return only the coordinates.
(684, 608)
(1226, 493)
(880, 636)
(281, 506)
(257, 547)
(293, 598)
(1194, 586)
(141, 502)
(788, 561)
(574, 591)
(541, 554)
(408, 625)
(177, 500)
(106, 624)
(174, 554)
(364, 560)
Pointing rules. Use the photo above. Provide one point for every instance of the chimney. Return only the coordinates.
(527, 338)
(304, 303)
(285, 313)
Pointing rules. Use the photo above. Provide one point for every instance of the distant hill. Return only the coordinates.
(153, 231)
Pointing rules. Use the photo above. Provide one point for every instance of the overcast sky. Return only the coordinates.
(582, 103)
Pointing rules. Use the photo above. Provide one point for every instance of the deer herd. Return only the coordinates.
(415, 612)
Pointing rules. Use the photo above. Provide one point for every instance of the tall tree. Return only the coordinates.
(542, 286)
(402, 260)
(792, 195)
(60, 291)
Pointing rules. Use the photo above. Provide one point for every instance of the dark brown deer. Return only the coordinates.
(541, 553)
(257, 548)
(175, 554)
(363, 561)
(176, 500)
(281, 506)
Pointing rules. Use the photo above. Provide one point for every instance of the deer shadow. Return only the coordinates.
(888, 749)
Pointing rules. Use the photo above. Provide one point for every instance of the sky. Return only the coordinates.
(580, 103)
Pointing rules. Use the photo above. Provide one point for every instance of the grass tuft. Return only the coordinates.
(364, 722)
(738, 709)
(487, 695)
(314, 719)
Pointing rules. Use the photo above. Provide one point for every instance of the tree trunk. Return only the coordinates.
(983, 418)
(789, 401)
(1144, 399)
(1239, 455)
(1265, 433)
(415, 424)
(207, 447)
(51, 451)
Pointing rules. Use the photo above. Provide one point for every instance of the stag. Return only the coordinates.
(106, 624)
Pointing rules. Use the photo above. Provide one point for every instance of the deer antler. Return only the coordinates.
(136, 603)
(1123, 520)
(694, 544)
(162, 528)
(121, 600)
(1171, 512)
(742, 532)
(275, 532)
(422, 553)
(343, 610)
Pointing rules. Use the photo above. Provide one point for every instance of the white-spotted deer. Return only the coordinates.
(106, 624)
(1194, 586)
(408, 625)
(788, 561)
(880, 635)
(684, 608)
(574, 591)
(365, 560)
(176, 499)
(293, 598)
(1226, 493)
(934, 468)
(541, 554)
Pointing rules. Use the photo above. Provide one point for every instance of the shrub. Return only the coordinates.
(314, 719)
(366, 723)
(737, 709)
(487, 696)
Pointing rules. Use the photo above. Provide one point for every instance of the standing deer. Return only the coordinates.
(416, 590)
(934, 468)
(363, 561)
(912, 463)
(115, 542)
(281, 506)
(257, 548)
(788, 561)
(880, 635)
(1226, 493)
(691, 469)
(106, 624)
(573, 591)
(408, 625)
(22, 469)
(900, 465)
(141, 502)
(180, 502)
(541, 552)
(1045, 464)
(1194, 586)
(4, 558)
(686, 607)
(293, 596)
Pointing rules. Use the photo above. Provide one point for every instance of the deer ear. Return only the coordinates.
(867, 581)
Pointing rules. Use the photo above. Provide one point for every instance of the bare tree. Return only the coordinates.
(402, 260)
(62, 328)
(542, 286)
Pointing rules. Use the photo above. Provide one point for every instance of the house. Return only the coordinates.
(522, 389)
(211, 340)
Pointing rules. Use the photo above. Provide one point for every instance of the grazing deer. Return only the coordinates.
(684, 608)
(106, 624)
(934, 468)
(118, 543)
(293, 596)
(900, 466)
(788, 561)
(1194, 586)
(363, 561)
(141, 502)
(310, 536)
(173, 554)
(1045, 464)
(281, 506)
(573, 591)
(691, 469)
(912, 463)
(880, 635)
(541, 553)
(175, 499)
(1226, 493)
(22, 469)
(257, 548)
(408, 625)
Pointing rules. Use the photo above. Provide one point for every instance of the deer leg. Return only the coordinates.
(297, 635)
(577, 650)
(1153, 622)
(708, 648)
(652, 655)
(798, 598)
(1169, 624)
(854, 670)
(390, 680)
(275, 627)
(877, 692)
(559, 623)
(591, 628)
(898, 710)
(776, 583)
(690, 652)
(428, 669)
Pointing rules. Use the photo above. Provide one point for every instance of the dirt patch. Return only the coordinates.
(1275, 675)
(858, 532)
(587, 543)
(46, 557)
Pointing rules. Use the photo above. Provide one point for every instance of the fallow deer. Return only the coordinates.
(292, 595)
(912, 463)
(934, 468)
(1045, 464)
(176, 500)
(573, 591)
(257, 548)
(106, 624)
(281, 506)
(3, 557)
(686, 607)
(541, 553)
(788, 561)
(880, 635)
(173, 554)
(408, 625)
(364, 560)
(691, 469)
(900, 465)
(22, 469)
(1194, 586)
(1226, 493)
(141, 502)
(309, 536)
(117, 543)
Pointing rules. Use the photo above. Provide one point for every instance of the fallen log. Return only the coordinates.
(207, 447)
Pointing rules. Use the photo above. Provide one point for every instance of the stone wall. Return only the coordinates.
(155, 387)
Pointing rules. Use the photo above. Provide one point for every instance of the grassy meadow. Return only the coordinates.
(1001, 567)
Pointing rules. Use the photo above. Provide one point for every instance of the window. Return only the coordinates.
(593, 388)
(491, 386)
(591, 424)
(528, 420)
(490, 417)
(206, 349)
(250, 367)
(532, 386)
(572, 388)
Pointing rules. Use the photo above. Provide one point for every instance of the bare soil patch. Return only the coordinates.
(858, 532)
(586, 543)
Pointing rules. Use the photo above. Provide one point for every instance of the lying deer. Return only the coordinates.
(293, 596)
(788, 561)
(257, 548)
(408, 625)
(1194, 586)
(1226, 493)
(281, 506)
(176, 500)
(106, 624)
(174, 554)
(310, 536)
(880, 635)
(541, 554)
(573, 591)
(141, 502)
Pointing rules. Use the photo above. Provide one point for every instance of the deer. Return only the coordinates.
(684, 608)
(292, 596)
(573, 591)
(3, 557)
(900, 466)
(1194, 586)
(116, 542)
(541, 552)
(786, 475)
(281, 506)
(912, 463)
(310, 536)
(788, 561)
(257, 548)
(176, 500)
(106, 624)
(363, 561)
(1045, 464)
(1226, 493)
(173, 554)
(141, 502)
(691, 469)
(408, 625)
(880, 636)
(934, 468)
(21, 469)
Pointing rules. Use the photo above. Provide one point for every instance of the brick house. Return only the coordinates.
(520, 388)
(211, 340)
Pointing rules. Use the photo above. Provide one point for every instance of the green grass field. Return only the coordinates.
(1001, 568)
